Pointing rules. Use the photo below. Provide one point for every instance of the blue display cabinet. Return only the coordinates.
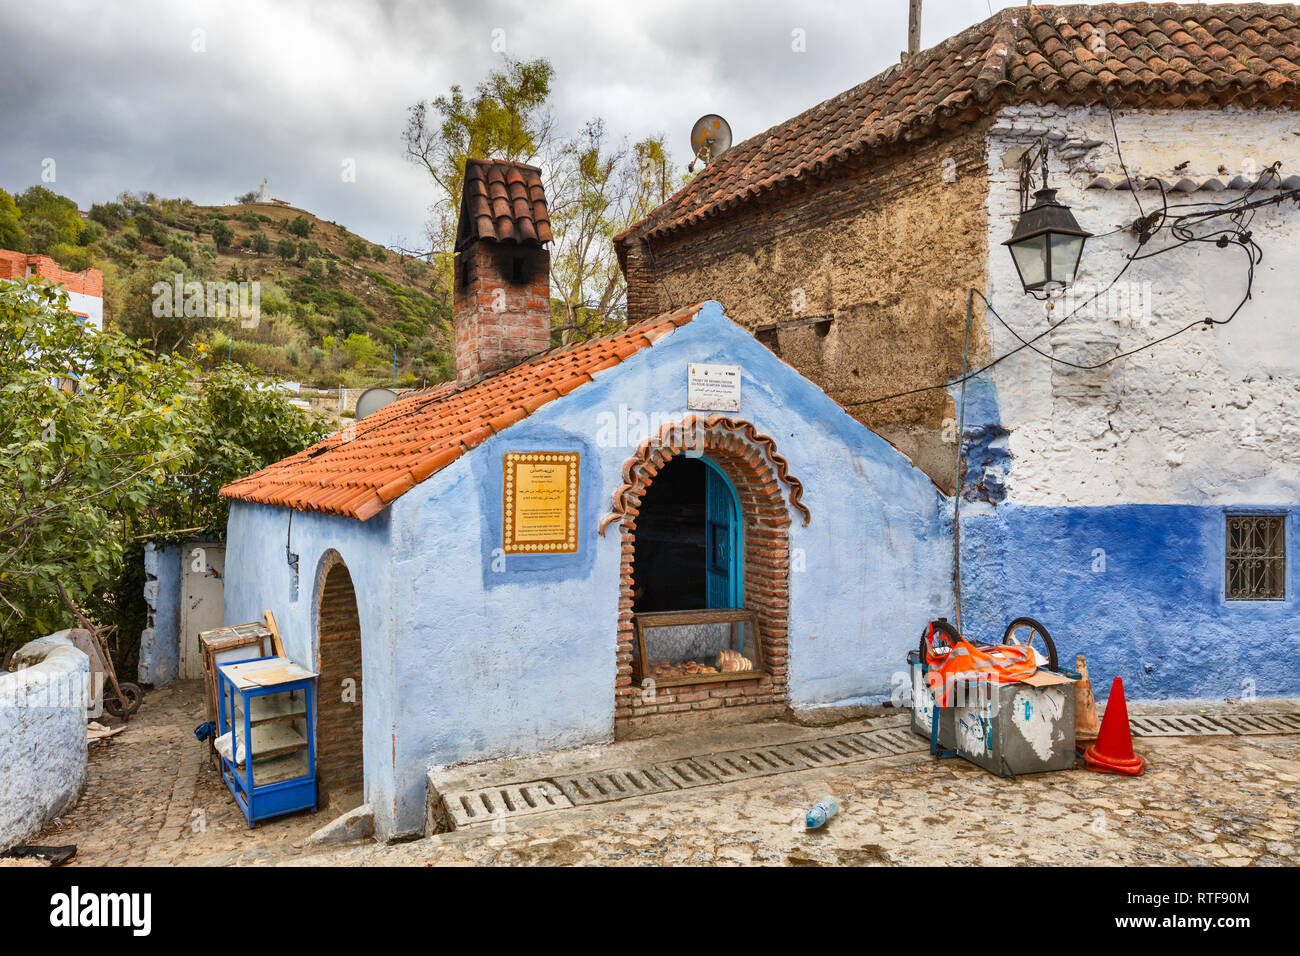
(267, 741)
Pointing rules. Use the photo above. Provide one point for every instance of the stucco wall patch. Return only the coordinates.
(42, 737)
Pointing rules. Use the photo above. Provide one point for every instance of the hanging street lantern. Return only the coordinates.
(1047, 244)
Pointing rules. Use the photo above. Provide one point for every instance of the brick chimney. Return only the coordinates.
(502, 299)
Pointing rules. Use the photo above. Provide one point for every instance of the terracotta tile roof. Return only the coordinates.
(1154, 55)
(363, 468)
(503, 201)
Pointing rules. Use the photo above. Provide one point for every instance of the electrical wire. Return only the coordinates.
(1240, 211)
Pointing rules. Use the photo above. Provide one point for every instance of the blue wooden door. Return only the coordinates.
(722, 541)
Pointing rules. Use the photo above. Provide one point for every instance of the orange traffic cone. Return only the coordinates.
(1113, 751)
(1086, 724)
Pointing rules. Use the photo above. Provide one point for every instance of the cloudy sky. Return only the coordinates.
(205, 99)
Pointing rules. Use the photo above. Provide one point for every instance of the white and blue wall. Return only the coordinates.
(472, 654)
(160, 657)
(1095, 501)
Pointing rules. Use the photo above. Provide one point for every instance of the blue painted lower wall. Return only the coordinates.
(1139, 590)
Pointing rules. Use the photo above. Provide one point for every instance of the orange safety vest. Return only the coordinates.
(949, 663)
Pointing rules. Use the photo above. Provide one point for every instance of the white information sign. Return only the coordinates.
(713, 387)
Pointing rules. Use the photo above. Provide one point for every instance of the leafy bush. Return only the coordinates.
(349, 321)
(222, 235)
(107, 214)
(182, 251)
(360, 350)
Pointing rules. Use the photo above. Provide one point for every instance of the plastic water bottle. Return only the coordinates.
(822, 810)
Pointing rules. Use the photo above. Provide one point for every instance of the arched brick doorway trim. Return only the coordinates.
(339, 767)
(687, 435)
(757, 472)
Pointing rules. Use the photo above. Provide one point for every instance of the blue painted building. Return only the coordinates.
(1129, 470)
(464, 567)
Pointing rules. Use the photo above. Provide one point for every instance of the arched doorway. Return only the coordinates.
(733, 552)
(690, 541)
(339, 767)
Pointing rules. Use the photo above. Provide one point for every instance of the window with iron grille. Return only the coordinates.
(1256, 566)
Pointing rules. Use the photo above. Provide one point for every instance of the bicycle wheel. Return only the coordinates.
(940, 626)
(1027, 631)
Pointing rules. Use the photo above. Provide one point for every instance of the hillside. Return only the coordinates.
(333, 305)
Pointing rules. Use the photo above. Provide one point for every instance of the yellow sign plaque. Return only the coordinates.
(541, 502)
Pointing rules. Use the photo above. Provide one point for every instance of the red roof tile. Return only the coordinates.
(503, 201)
(1156, 55)
(363, 468)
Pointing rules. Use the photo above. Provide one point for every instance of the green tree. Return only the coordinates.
(285, 249)
(222, 234)
(359, 349)
(181, 250)
(261, 244)
(151, 313)
(351, 319)
(300, 226)
(594, 188)
(40, 204)
(506, 118)
(12, 235)
(414, 270)
(235, 426)
(76, 462)
(42, 235)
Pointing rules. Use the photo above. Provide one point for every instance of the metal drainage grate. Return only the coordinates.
(830, 751)
(685, 773)
(471, 807)
(896, 741)
(1262, 723)
(1214, 725)
(1175, 725)
(756, 762)
(605, 785)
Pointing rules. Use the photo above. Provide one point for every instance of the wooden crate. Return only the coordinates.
(252, 640)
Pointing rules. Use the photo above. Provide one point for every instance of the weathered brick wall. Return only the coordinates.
(19, 265)
(766, 523)
(888, 249)
(338, 721)
(501, 307)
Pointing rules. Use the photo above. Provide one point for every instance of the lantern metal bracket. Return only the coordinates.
(1033, 156)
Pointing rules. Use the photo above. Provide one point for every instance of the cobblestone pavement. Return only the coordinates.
(1223, 801)
(151, 798)
(1229, 801)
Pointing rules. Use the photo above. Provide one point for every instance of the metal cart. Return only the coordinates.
(267, 743)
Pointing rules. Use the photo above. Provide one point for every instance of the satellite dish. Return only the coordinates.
(372, 400)
(710, 138)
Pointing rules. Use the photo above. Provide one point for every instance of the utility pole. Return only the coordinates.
(913, 28)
